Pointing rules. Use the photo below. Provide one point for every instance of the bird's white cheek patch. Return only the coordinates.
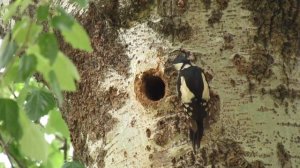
(178, 66)
(186, 94)
(205, 93)
(186, 66)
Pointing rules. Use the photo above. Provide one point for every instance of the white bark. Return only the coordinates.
(257, 125)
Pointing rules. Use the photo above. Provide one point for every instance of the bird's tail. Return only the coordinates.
(196, 133)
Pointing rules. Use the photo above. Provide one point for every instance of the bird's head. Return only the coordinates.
(181, 60)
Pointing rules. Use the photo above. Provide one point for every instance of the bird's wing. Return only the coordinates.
(193, 79)
(178, 86)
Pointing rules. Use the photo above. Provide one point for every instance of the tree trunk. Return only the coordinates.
(126, 112)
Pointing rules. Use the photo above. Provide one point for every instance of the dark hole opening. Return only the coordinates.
(154, 87)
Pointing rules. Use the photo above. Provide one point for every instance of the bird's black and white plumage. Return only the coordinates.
(193, 90)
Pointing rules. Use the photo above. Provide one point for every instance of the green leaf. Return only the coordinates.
(72, 31)
(61, 75)
(74, 164)
(48, 46)
(39, 103)
(65, 71)
(5, 93)
(20, 30)
(9, 116)
(7, 51)
(81, 3)
(55, 87)
(32, 143)
(11, 73)
(78, 38)
(56, 124)
(18, 87)
(23, 95)
(42, 12)
(11, 10)
(55, 156)
(24, 5)
(27, 66)
(14, 150)
(26, 30)
(63, 22)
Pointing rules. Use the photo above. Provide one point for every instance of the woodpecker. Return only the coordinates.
(193, 91)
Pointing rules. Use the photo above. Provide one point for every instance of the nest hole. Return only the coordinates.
(150, 87)
(153, 87)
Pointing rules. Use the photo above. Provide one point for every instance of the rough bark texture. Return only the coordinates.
(250, 52)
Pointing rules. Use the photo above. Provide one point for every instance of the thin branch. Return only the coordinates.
(20, 50)
(12, 92)
(9, 155)
(62, 140)
(6, 152)
(65, 149)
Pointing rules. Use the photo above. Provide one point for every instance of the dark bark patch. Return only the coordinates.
(148, 148)
(148, 133)
(86, 111)
(207, 4)
(186, 160)
(260, 64)
(161, 138)
(171, 23)
(133, 121)
(216, 14)
(172, 8)
(223, 152)
(213, 110)
(258, 67)
(285, 96)
(150, 156)
(278, 27)
(175, 27)
(167, 128)
(240, 63)
(284, 157)
(232, 82)
(215, 17)
(281, 92)
(86, 114)
(222, 4)
(257, 164)
(108, 51)
(121, 15)
(228, 41)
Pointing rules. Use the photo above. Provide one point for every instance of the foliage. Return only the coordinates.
(31, 49)
(72, 165)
